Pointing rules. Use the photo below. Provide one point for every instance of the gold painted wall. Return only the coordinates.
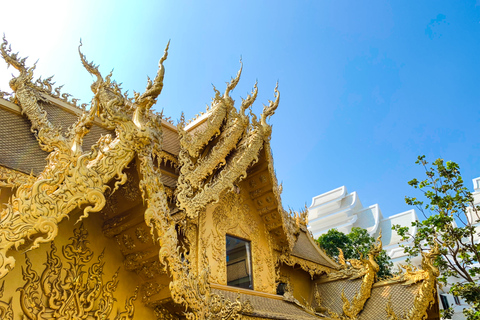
(299, 281)
(113, 259)
(235, 215)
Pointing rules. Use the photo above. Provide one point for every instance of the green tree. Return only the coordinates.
(449, 219)
(355, 244)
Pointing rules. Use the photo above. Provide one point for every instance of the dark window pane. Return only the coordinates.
(281, 288)
(444, 301)
(239, 263)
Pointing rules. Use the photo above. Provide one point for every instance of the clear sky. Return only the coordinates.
(366, 86)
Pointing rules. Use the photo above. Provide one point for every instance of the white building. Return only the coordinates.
(342, 210)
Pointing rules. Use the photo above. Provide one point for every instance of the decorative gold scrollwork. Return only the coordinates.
(69, 293)
(11, 178)
(425, 296)
(205, 170)
(6, 311)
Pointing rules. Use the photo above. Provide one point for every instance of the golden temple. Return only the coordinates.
(113, 212)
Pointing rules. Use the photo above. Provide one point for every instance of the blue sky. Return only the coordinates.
(366, 86)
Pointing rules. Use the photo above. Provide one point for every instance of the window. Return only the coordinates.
(281, 288)
(457, 300)
(444, 301)
(239, 263)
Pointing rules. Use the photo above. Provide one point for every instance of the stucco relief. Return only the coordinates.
(233, 216)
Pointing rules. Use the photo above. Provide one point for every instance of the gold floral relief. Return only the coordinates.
(11, 178)
(67, 288)
(234, 217)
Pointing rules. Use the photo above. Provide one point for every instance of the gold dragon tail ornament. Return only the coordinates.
(425, 297)
(224, 152)
(370, 269)
(364, 268)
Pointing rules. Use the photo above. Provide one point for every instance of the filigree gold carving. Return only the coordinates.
(130, 190)
(152, 269)
(11, 178)
(46, 86)
(73, 178)
(6, 95)
(363, 268)
(232, 216)
(149, 289)
(205, 171)
(134, 261)
(311, 267)
(6, 310)
(128, 242)
(163, 314)
(390, 313)
(425, 296)
(69, 293)
(352, 308)
(142, 235)
(165, 157)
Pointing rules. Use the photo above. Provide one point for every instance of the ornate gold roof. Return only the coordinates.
(155, 184)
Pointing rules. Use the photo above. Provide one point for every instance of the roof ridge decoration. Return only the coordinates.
(74, 178)
(45, 86)
(214, 159)
(426, 294)
(367, 268)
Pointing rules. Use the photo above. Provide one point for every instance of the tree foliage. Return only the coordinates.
(450, 216)
(354, 245)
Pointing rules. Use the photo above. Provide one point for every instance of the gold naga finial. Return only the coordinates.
(153, 89)
(341, 257)
(269, 110)
(12, 59)
(233, 83)
(377, 246)
(91, 68)
(247, 103)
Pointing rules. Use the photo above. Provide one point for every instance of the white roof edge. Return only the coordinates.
(343, 193)
(404, 213)
(476, 184)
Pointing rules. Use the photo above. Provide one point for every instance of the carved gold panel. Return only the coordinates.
(235, 216)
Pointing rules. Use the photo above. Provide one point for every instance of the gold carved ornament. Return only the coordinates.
(205, 176)
(71, 292)
(312, 268)
(425, 296)
(73, 178)
(234, 217)
(289, 227)
(363, 268)
(6, 310)
(187, 287)
(11, 178)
